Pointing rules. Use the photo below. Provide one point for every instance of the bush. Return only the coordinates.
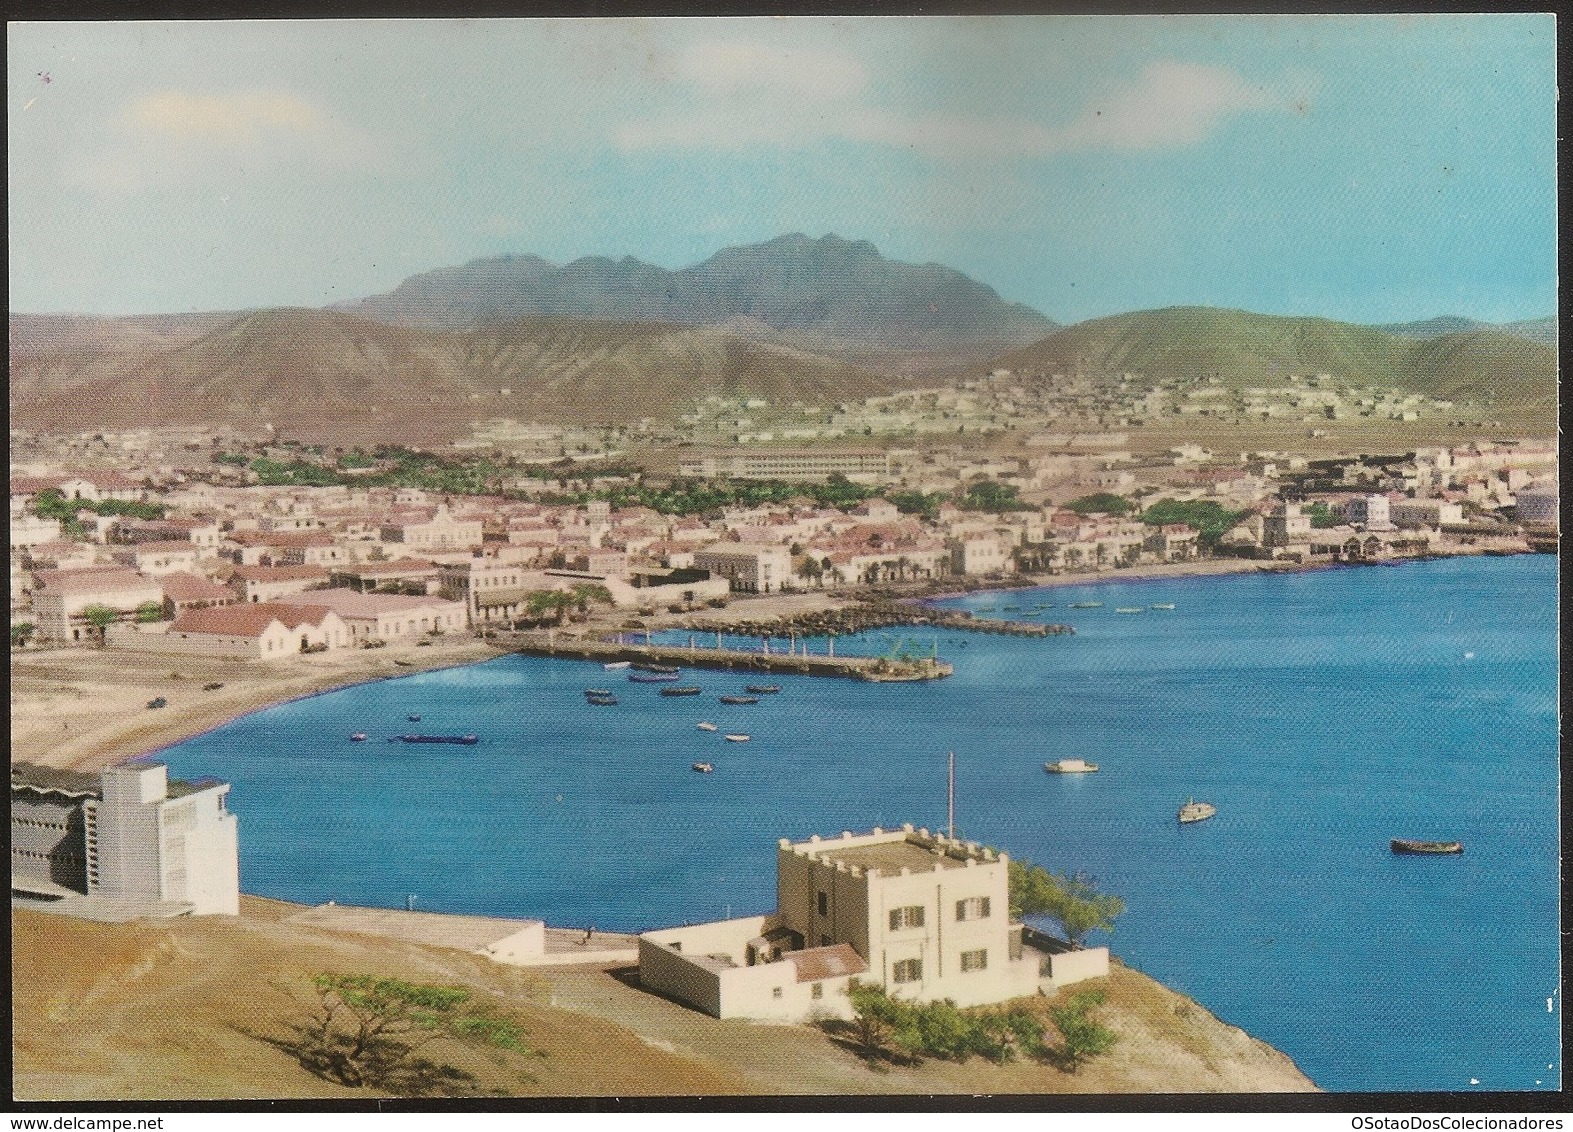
(1082, 1037)
(941, 1029)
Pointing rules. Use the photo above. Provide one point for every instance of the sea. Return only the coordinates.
(1323, 713)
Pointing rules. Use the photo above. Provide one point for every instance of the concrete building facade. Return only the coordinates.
(130, 837)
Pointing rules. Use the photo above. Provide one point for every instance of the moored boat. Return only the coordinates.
(740, 699)
(1070, 766)
(413, 718)
(704, 768)
(1161, 605)
(1129, 609)
(707, 727)
(1086, 605)
(737, 738)
(654, 677)
(689, 690)
(607, 700)
(1405, 845)
(598, 691)
(763, 689)
(358, 737)
(647, 666)
(1196, 811)
(615, 665)
(460, 740)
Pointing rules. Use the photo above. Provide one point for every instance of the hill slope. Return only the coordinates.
(321, 375)
(1242, 348)
(192, 1008)
(1542, 330)
(827, 295)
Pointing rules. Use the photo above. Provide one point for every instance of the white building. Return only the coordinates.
(749, 569)
(925, 916)
(1373, 512)
(129, 838)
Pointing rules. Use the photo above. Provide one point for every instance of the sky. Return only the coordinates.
(1365, 168)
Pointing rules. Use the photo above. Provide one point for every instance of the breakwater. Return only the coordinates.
(794, 662)
(870, 615)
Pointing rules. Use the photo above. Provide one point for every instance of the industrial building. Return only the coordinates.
(123, 843)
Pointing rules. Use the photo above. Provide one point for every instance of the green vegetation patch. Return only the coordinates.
(1105, 502)
(1211, 519)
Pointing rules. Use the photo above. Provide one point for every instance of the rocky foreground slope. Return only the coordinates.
(194, 1009)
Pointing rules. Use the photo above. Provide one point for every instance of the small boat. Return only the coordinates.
(213, 687)
(1070, 766)
(413, 718)
(1161, 605)
(598, 691)
(1129, 609)
(607, 700)
(615, 665)
(402, 663)
(644, 666)
(704, 768)
(358, 737)
(740, 699)
(737, 738)
(688, 690)
(1086, 605)
(654, 677)
(460, 740)
(158, 702)
(763, 689)
(1196, 811)
(707, 727)
(1404, 845)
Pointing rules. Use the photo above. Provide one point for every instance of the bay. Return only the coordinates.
(1323, 713)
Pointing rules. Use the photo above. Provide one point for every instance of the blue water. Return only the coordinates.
(1323, 713)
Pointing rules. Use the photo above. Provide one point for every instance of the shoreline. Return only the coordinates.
(98, 696)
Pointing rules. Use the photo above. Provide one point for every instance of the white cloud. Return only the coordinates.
(719, 66)
(1170, 104)
(172, 137)
(238, 116)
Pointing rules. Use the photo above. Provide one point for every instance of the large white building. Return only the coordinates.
(925, 916)
(749, 569)
(124, 842)
(792, 466)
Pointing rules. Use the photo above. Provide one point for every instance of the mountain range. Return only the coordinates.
(792, 319)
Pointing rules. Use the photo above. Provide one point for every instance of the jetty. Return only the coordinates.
(877, 669)
(878, 614)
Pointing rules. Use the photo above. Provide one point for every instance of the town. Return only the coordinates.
(196, 554)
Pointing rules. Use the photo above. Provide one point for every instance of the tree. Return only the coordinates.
(1082, 1037)
(1074, 901)
(553, 602)
(810, 569)
(1103, 501)
(99, 619)
(148, 612)
(365, 1031)
(584, 593)
(21, 632)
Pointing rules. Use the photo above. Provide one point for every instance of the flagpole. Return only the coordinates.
(951, 811)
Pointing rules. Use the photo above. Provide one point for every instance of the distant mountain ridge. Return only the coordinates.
(829, 295)
(1543, 330)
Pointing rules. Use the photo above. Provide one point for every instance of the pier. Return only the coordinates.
(876, 669)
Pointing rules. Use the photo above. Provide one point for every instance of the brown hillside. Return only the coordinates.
(332, 377)
(182, 1009)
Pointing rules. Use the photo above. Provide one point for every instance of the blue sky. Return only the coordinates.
(1364, 168)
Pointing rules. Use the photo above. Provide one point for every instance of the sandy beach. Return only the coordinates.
(86, 708)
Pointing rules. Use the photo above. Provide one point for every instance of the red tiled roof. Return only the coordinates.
(280, 573)
(816, 963)
(246, 620)
(165, 546)
(397, 566)
(182, 587)
(92, 579)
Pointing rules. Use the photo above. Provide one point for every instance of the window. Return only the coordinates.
(818, 990)
(825, 941)
(907, 971)
(975, 960)
(775, 992)
(973, 908)
(909, 917)
(824, 903)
